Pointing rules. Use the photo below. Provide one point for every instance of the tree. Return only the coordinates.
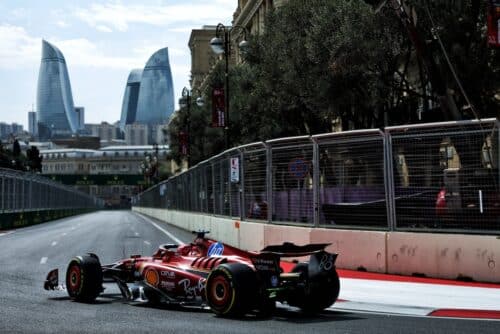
(34, 159)
(457, 31)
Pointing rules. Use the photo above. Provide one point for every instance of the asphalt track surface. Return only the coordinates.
(26, 255)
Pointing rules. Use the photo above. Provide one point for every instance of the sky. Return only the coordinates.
(101, 40)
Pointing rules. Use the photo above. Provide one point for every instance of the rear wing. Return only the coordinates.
(288, 249)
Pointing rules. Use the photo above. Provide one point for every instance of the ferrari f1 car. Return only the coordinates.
(232, 282)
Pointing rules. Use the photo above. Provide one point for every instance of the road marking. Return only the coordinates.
(44, 260)
(64, 234)
(147, 242)
(170, 235)
(54, 243)
(136, 234)
(5, 233)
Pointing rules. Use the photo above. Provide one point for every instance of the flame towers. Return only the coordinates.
(149, 95)
(156, 95)
(56, 111)
(130, 98)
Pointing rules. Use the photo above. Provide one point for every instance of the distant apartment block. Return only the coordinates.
(137, 134)
(32, 123)
(80, 112)
(105, 131)
(9, 130)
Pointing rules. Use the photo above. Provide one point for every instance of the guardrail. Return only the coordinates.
(425, 177)
(27, 198)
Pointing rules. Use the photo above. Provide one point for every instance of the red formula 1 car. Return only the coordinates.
(230, 281)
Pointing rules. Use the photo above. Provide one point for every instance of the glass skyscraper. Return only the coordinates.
(130, 98)
(155, 104)
(56, 111)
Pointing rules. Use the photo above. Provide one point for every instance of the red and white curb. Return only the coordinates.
(417, 296)
(365, 292)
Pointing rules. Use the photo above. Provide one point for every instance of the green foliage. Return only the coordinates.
(321, 60)
(461, 26)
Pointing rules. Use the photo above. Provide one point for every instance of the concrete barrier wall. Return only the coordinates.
(444, 255)
(434, 255)
(9, 220)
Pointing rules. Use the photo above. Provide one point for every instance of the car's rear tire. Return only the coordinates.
(318, 293)
(84, 278)
(231, 289)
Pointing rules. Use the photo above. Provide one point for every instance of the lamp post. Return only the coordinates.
(185, 102)
(221, 44)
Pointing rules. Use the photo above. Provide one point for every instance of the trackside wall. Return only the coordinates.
(434, 255)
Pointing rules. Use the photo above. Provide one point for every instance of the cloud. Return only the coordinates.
(103, 28)
(62, 24)
(118, 16)
(17, 47)
(19, 13)
(82, 52)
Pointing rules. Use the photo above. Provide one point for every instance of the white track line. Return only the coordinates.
(147, 242)
(170, 235)
(54, 243)
(44, 260)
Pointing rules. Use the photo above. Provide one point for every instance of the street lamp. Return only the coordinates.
(185, 102)
(221, 44)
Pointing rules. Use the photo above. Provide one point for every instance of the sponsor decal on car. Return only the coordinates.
(264, 264)
(151, 277)
(215, 249)
(170, 286)
(192, 290)
(167, 274)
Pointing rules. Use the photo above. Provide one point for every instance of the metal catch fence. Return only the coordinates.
(439, 177)
(21, 192)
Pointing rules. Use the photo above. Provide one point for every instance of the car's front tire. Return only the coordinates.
(84, 278)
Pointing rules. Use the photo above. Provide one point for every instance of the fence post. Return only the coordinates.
(389, 180)
(269, 182)
(241, 188)
(498, 152)
(316, 180)
(214, 198)
(2, 198)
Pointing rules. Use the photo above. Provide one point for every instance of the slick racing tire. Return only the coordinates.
(84, 278)
(318, 293)
(231, 289)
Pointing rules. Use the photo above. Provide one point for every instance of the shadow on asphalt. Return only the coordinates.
(282, 313)
(103, 299)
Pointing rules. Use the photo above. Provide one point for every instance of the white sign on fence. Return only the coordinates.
(235, 170)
